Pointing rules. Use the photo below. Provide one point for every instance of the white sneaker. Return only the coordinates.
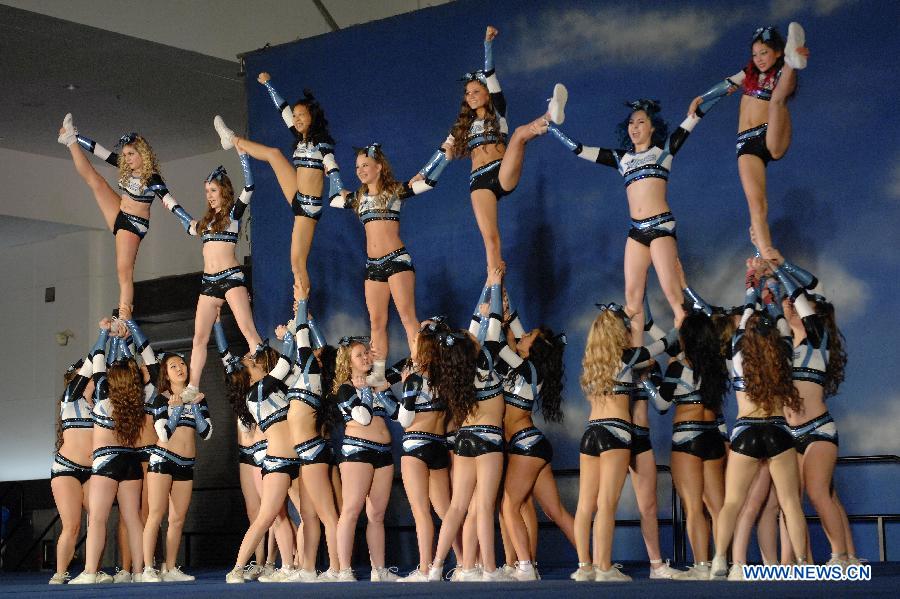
(417, 576)
(435, 572)
(346, 575)
(175, 575)
(522, 572)
(226, 135)
(614, 574)
(384, 574)
(103, 577)
(376, 378)
(719, 568)
(267, 570)
(235, 576)
(662, 571)
(252, 571)
(59, 578)
(696, 572)
(736, 572)
(301, 575)
(277, 576)
(556, 107)
(328, 575)
(508, 570)
(462, 575)
(496, 576)
(85, 578)
(584, 574)
(150, 574)
(189, 394)
(67, 137)
(796, 38)
(122, 576)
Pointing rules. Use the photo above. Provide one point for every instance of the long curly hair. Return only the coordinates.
(775, 43)
(451, 374)
(148, 158)
(606, 341)
(237, 384)
(126, 394)
(318, 128)
(546, 354)
(837, 353)
(767, 367)
(342, 367)
(703, 350)
(389, 183)
(163, 383)
(466, 117)
(218, 220)
(660, 127)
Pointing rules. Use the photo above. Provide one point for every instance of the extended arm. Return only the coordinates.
(598, 155)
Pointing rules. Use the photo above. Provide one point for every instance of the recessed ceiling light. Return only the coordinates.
(72, 87)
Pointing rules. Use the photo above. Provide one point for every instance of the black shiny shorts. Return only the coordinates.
(531, 443)
(219, 283)
(698, 438)
(354, 449)
(382, 269)
(475, 440)
(605, 434)
(761, 438)
(118, 463)
(488, 177)
(428, 447)
(753, 142)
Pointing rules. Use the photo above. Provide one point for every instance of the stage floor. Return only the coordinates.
(885, 583)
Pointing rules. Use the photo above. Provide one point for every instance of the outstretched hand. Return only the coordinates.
(490, 33)
(264, 78)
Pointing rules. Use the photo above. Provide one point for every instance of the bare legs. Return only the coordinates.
(425, 488)
(317, 483)
(103, 491)
(400, 287)
(69, 495)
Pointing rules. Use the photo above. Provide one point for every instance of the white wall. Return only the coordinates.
(81, 266)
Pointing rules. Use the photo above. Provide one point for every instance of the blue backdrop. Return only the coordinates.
(834, 199)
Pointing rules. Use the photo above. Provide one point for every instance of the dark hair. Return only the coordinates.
(703, 350)
(67, 378)
(327, 415)
(660, 127)
(318, 127)
(546, 354)
(452, 374)
(771, 38)
(162, 381)
(237, 383)
(837, 354)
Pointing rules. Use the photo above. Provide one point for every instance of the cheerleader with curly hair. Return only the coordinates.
(118, 414)
(127, 215)
(608, 382)
(761, 375)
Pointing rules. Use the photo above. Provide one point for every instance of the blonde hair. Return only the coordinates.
(149, 166)
(342, 367)
(606, 341)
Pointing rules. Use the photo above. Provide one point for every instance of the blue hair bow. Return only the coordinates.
(348, 339)
(217, 174)
(370, 149)
(764, 34)
(475, 76)
(452, 337)
(127, 139)
(618, 309)
(651, 107)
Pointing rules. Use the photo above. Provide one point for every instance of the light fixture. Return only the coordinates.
(72, 87)
(62, 337)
